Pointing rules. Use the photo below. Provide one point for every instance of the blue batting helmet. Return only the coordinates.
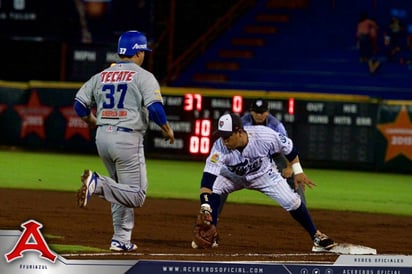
(130, 42)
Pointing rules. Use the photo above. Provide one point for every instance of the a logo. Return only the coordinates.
(33, 116)
(259, 103)
(398, 135)
(221, 124)
(31, 239)
(215, 158)
(137, 46)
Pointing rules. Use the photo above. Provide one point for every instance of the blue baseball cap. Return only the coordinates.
(130, 42)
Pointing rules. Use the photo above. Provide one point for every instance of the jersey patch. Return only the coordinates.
(113, 114)
(215, 158)
(282, 138)
(159, 96)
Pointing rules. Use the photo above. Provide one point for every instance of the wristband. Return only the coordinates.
(297, 168)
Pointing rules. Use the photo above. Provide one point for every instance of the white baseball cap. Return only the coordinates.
(228, 124)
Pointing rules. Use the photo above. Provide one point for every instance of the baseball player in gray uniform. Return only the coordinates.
(246, 151)
(126, 96)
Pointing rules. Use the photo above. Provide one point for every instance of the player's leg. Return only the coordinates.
(281, 163)
(275, 186)
(126, 187)
(209, 199)
(232, 177)
(222, 187)
(122, 216)
(126, 166)
(223, 199)
(93, 183)
(123, 224)
(130, 173)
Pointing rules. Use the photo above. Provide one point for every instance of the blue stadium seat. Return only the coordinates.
(301, 49)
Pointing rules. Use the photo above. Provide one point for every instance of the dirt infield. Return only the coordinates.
(163, 228)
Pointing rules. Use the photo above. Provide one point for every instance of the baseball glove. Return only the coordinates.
(204, 232)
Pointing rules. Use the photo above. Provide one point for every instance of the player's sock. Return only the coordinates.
(303, 217)
(215, 203)
(223, 198)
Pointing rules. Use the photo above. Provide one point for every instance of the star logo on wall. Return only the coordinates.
(398, 135)
(75, 125)
(33, 116)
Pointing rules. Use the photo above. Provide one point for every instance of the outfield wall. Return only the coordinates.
(330, 131)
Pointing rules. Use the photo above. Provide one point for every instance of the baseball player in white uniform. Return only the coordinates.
(126, 97)
(259, 114)
(246, 152)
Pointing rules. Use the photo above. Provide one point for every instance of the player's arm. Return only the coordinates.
(300, 176)
(276, 125)
(210, 172)
(212, 167)
(206, 183)
(158, 115)
(287, 172)
(85, 113)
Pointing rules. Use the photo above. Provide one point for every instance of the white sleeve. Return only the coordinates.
(214, 160)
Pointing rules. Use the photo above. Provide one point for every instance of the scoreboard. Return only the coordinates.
(323, 130)
(329, 130)
(336, 131)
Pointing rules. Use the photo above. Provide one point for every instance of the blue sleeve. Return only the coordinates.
(292, 155)
(279, 128)
(81, 109)
(157, 113)
(247, 119)
(276, 125)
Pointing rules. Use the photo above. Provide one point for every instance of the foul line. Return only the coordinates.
(251, 255)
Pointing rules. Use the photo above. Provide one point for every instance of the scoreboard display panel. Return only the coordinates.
(336, 131)
(323, 130)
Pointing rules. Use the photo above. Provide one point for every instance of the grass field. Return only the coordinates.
(336, 189)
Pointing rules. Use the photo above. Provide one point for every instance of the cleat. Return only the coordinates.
(89, 181)
(322, 243)
(120, 247)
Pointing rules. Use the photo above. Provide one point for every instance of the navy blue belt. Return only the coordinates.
(124, 129)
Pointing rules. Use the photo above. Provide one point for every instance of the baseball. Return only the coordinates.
(194, 245)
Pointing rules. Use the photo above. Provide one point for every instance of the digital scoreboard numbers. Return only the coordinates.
(193, 118)
(323, 131)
